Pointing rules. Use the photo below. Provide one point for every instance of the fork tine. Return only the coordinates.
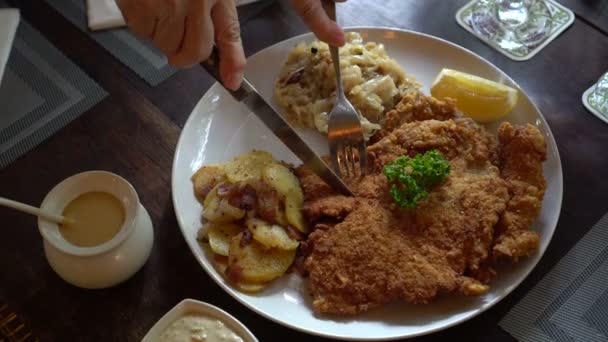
(347, 156)
(353, 157)
(347, 161)
(343, 160)
(335, 158)
(362, 158)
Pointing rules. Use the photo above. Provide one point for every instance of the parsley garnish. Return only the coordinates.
(411, 178)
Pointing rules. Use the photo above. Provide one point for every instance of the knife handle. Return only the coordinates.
(212, 65)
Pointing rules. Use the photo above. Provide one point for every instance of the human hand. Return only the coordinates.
(314, 16)
(186, 30)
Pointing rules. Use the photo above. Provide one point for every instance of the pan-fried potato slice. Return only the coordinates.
(281, 179)
(270, 206)
(293, 210)
(221, 264)
(281, 219)
(211, 196)
(202, 234)
(206, 178)
(271, 235)
(248, 166)
(250, 287)
(254, 264)
(219, 210)
(220, 235)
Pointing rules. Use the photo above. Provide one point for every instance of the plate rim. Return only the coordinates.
(219, 281)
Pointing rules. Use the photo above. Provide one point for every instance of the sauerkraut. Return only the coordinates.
(373, 82)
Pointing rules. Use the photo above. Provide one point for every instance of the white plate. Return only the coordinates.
(219, 128)
(191, 306)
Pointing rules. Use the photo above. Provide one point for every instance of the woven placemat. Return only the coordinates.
(571, 302)
(41, 92)
(12, 328)
(137, 54)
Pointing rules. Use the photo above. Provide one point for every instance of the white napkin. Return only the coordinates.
(9, 20)
(104, 14)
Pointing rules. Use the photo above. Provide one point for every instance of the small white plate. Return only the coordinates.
(191, 306)
(219, 128)
(9, 20)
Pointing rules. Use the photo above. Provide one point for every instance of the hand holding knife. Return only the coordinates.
(249, 96)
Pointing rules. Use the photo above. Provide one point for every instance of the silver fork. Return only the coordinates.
(344, 131)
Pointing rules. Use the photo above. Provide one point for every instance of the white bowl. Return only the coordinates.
(107, 264)
(191, 306)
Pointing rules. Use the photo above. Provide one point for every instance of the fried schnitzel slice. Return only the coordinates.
(461, 137)
(416, 106)
(522, 152)
(367, 260)
(380, 253)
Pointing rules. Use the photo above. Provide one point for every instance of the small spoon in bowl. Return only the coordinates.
(5, 202)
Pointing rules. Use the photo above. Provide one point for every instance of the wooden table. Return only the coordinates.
(593, 12)
(133, 132)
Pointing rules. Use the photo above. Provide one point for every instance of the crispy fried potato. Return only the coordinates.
(201, 235)
(220, 235)
(271, 235)
(248, 166)
(270, 205)
(219, 210)
(281, 218)
(251, 263)
(211, 196)
(281, 179)
(250, 287)
(205, 179)
(287, 184)
(221, 264)
(293, 209)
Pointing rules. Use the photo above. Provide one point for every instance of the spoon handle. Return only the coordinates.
(5, 202)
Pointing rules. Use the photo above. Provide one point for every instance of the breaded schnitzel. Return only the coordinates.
(522, 151)
(366, 251)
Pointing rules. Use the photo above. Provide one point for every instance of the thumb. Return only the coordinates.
(228, 41)
(314, 16)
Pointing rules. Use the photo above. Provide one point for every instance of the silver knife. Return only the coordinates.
(249, 96)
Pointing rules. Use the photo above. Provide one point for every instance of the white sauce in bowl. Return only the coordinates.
(198, 328)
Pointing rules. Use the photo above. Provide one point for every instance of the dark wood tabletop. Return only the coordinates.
(593, 12)
(134, 131)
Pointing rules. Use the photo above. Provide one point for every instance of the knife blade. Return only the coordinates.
(249, 96)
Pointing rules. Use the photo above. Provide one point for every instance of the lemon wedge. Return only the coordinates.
(481, 99)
